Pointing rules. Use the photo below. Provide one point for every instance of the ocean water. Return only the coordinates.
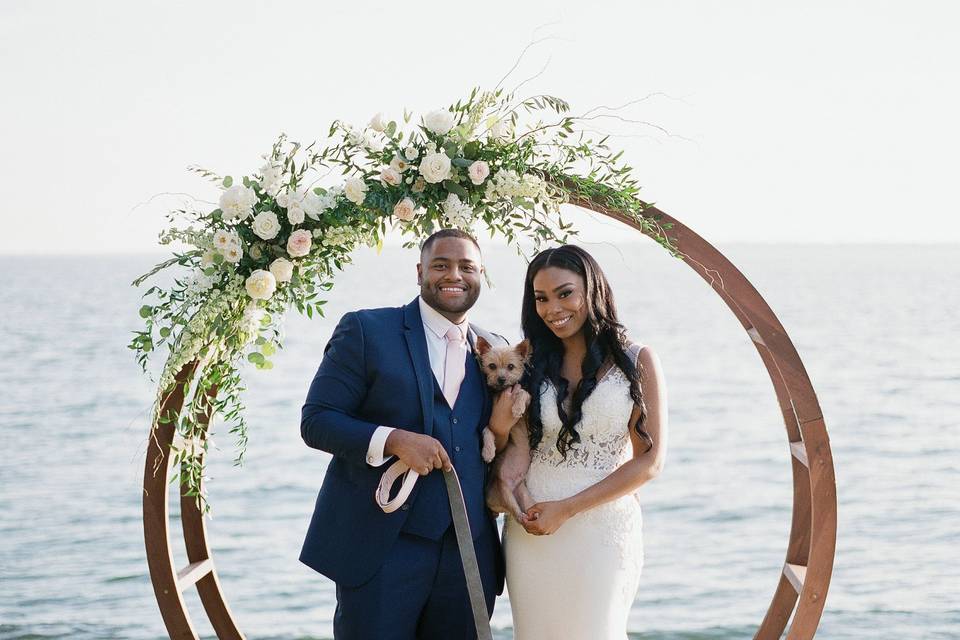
(877, 328)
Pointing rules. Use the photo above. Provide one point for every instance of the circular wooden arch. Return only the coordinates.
(803, 581)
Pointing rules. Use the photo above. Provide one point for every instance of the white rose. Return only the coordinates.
(237, 202)
(266, 225)
(295, 214)
(283, 199)
(439, 121)
(478, 172)
(356, 190)
(390, 176)
(261, 285)
(435, 167)
(405, 209)
(282, 269)
(377, 123)
(411, 152)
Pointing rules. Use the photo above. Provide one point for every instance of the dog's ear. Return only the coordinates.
(524, 349)
(482, 346)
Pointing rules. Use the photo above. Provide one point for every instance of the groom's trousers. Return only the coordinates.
(419, 593)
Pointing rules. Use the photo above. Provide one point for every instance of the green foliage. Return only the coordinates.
(209, 323)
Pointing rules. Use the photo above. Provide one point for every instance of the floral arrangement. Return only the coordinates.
(279, 236)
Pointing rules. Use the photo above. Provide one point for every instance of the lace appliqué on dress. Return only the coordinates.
(604, 446)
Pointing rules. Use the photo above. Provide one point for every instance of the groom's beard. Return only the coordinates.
(432, 295)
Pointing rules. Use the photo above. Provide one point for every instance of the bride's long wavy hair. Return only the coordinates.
(605, 338)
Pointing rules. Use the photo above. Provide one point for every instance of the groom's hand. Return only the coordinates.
(420, 452)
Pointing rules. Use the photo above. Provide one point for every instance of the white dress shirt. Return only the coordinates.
(435, 327)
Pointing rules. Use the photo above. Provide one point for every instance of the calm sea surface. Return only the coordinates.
(877, 327)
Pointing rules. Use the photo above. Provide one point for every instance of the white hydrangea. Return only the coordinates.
(457, 213)
(507, 183)
(237, 203)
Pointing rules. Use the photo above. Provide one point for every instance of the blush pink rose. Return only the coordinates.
(478, 172)
(299, 243)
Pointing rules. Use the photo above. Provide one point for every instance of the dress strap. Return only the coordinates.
(633, 349)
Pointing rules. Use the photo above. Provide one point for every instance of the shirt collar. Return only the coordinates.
(437, 323)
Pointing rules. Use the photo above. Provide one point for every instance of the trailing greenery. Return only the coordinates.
(279, 236)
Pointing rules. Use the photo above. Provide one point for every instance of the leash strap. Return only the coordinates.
(461, 526)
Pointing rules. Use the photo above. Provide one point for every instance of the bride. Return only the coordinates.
(595, 431)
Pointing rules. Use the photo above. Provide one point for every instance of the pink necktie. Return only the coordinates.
(453, 363)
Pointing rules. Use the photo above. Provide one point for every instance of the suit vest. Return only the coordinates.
(459, 431)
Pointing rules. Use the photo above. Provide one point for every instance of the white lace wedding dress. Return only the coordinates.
(579, 582)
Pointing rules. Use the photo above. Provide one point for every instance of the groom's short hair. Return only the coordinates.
(448, 233)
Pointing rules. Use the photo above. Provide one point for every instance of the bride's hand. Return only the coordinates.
(544, 518)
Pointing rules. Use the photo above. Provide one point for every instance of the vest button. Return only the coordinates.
(457, 448)
(454, 421)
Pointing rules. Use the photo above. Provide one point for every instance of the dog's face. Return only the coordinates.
(503, 366)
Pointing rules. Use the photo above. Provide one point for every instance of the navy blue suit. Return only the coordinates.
(398, 575)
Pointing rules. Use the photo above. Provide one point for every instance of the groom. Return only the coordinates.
(402, 382)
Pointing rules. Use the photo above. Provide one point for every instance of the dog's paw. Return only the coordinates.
(489, 446)
(520, 403)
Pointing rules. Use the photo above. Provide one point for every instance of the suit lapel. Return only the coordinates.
(417, 346)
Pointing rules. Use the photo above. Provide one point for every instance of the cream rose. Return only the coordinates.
(435, 167)
(405, 209)
(266, 225)
(261, 285)
(411, 152)
(298, 245)
(439, 121)
(390, 176)
(282, 269)
(356, 190)
(478, 172)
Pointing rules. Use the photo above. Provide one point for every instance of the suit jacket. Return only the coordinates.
(375, 371)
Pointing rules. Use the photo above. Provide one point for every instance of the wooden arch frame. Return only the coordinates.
(803, 581)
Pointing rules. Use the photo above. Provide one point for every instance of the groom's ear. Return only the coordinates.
(482, 345)
(419, 274)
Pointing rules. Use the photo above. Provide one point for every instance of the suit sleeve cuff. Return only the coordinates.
(377, 442)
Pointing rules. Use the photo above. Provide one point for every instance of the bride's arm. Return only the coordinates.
(643, 467)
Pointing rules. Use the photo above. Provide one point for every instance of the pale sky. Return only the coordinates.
(802, 122)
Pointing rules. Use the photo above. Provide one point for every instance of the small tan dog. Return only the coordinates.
(503, 367)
